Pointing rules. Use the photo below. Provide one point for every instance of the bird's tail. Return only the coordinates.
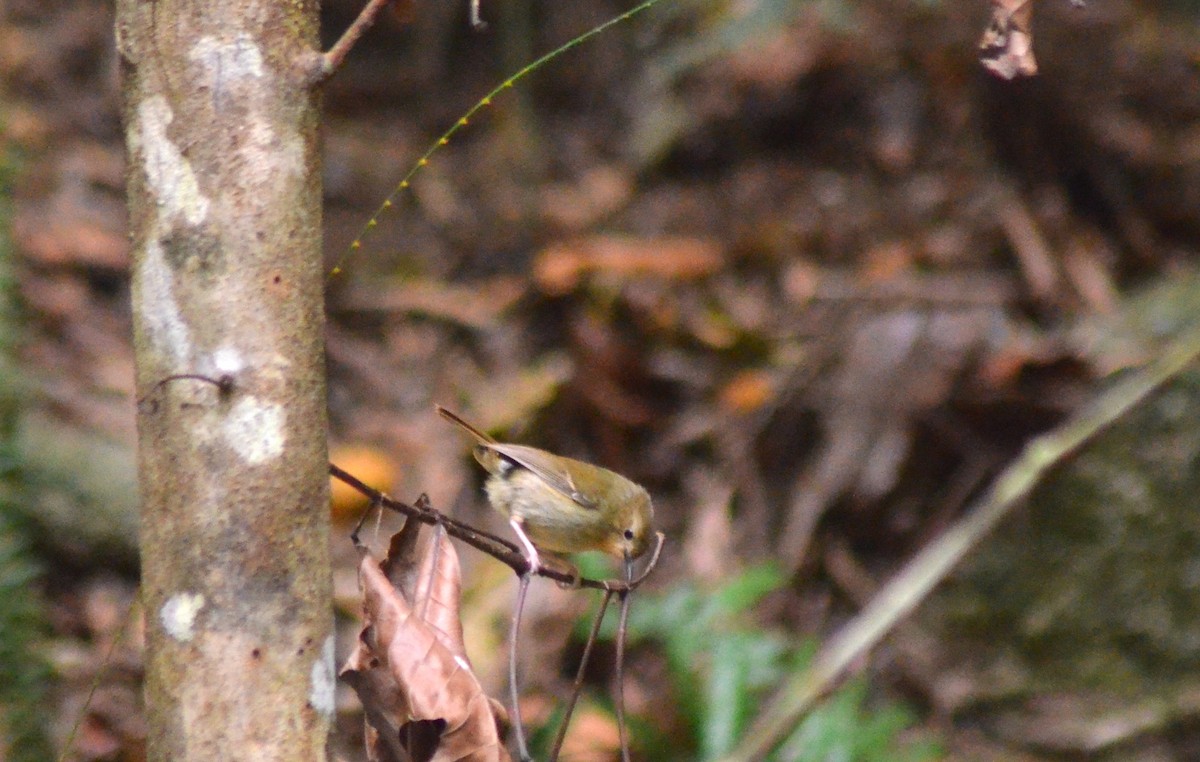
(443, 412)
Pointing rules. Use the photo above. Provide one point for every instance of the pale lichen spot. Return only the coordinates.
(178, 614)
(321, 696)
(168, 173)
(255, 429)
(231, 71)
(161, 319)
(228, 360)
(266, 155)
(276, 368)
(228, 62)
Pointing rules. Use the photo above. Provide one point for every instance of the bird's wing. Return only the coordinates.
(539, 462)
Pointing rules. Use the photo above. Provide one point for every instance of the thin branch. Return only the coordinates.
(496, 547)
(577, 686)
(101, 673)
(513, 693)
(223, 383)
(333, 60)
(622, 626)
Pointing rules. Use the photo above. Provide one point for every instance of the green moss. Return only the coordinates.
(23, 672)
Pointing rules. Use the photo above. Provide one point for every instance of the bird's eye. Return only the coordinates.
(628, 534)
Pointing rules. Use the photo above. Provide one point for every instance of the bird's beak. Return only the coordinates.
(628, 567)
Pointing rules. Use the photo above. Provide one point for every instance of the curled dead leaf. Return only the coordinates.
(410, 668)
(1006, 48)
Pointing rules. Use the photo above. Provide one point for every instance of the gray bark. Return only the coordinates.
(224, 197)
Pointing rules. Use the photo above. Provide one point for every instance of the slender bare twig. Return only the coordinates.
(101, 673)
(496, 547)
(513, 693)
(362, 520)
(224, 384)
(577, 686)
(332, 60)
(622, 624)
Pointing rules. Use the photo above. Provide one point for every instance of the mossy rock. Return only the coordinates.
(1076, 625)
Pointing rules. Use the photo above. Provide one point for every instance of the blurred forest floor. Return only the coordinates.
(804, 270)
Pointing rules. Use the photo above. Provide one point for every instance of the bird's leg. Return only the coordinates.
(517, 523)
(531, 554)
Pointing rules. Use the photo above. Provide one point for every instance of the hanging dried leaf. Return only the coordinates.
(438, 592)
(410, 668)
(1006, 49)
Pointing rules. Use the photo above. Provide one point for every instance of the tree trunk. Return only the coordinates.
(224, 199)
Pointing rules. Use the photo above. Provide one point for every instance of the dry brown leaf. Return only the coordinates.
(438, 593)
(478, 305)
(747, 391)
(581, 204)
(410, 668)
(1006, 49)
(559, 267)
(73, 240)
(592, 737)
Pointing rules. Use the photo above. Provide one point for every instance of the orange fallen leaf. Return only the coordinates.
(747, 391)
(370, 465)
(559, 268)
